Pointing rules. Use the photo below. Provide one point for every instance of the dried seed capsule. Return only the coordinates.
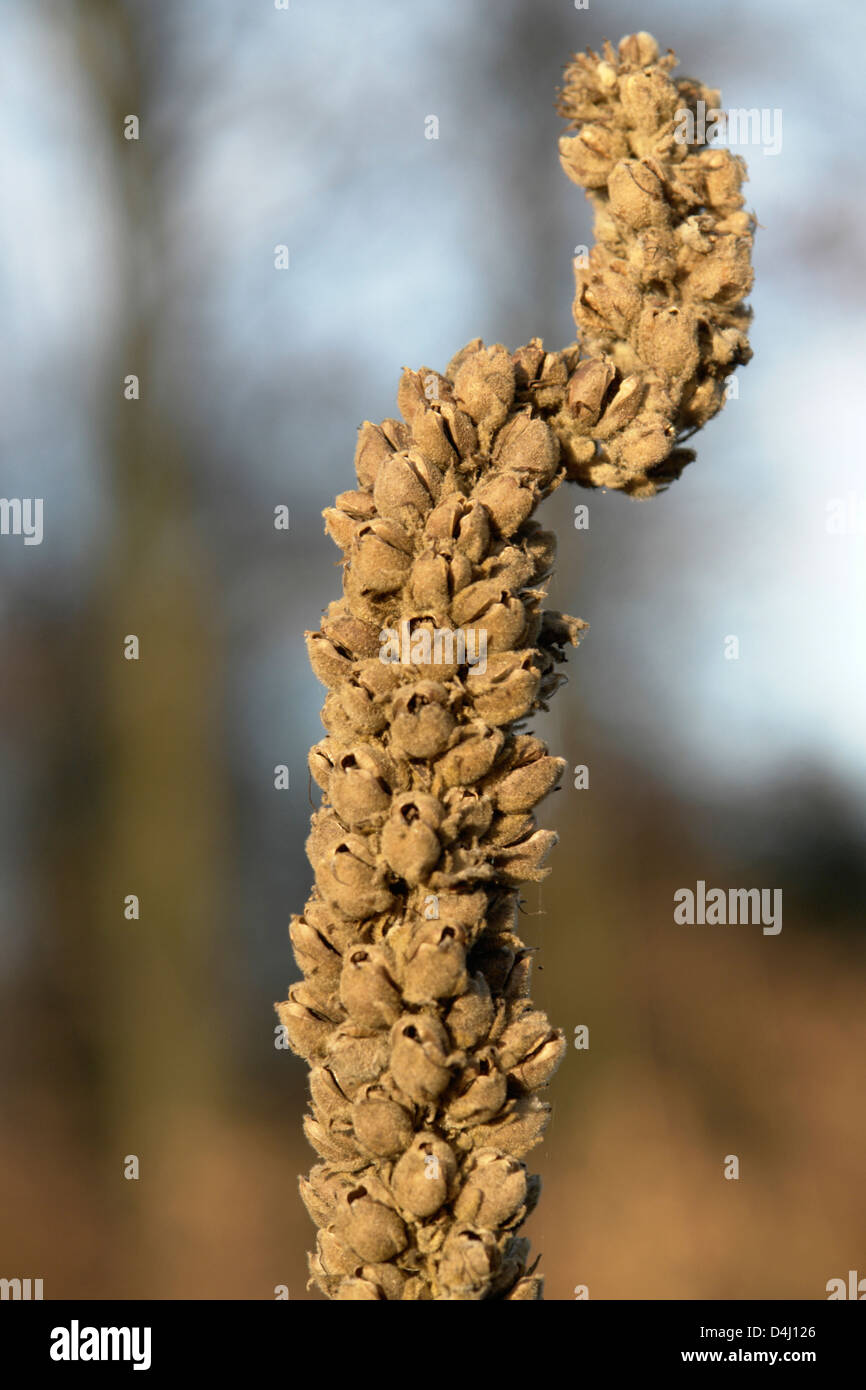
(320, 761)
(350, 634)
(467, 762)
(482, 1092)
(484, 388)
(494, 1190)
(435, 964)
(334, 1258)
(636, 195)
(469, 814)
(420, 1062)
(538, 1067)
(358, 1290)
(410, 845)
(412, 399)
(443, 522)
(523, 788)
(421, 725)
(463, 906)
(468, 1262)
(517, 1130)
(380, 557)
(382, 1126)
(540, 546)
(623, 408)
(327, 1096)
(516, 986)
(640, 49)
(507, 502)
(374, 1231)
(371, 450)
(528, 1029)
(323, 1192)
(351, 712)
(308, 1030)
(424, 1179)
(319, 960)
(387, 1278)
(649, 99)
(506, 691)
(471, 1015)
(511, 568)
(431, 437)
(587, 158)
(406, 488)
(357, 788)
(522, 862)
(356, 1056)
(527, 363)
(340, 527)
(333, 1143)
(332, 924)
(528, 448)
(508, 830)
(667, 338)
(430, 575)
(349, 878)
(367, 992)
(330, 665)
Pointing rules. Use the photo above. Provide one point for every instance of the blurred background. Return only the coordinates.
(305, 128)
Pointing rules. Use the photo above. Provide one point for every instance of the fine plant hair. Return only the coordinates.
(428, 1060)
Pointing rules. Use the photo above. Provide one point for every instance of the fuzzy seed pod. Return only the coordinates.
(371, 450)
(470, 760)
(425, 1177)
(349, 878)
(471, 1014)
(379, 558)
(356, 1056)
(410, 844)
(370, 1228)
(367, 992)
(357, 786)
(331, 665)
(419, 1060)
(484, 388)
(469, 1260)
(436, 964)
(525, 786)
(381, 1125)
(427, 1057)
(421, 724)
(494, 1192)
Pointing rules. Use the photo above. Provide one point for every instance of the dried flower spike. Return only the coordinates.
(427, 1057)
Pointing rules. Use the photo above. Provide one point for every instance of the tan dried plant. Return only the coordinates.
(428, 1058)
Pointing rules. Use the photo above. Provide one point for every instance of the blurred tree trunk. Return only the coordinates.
(161, 815)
